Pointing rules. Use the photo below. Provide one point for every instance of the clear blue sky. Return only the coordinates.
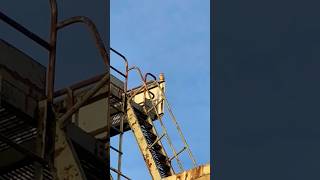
(170, 37)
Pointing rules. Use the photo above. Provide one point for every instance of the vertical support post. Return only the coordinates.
(40, 144)
(50, 128)
(52, 53)
(107, 48)
(121, 133)
(162, 87)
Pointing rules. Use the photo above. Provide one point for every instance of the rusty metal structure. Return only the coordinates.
(47, 134)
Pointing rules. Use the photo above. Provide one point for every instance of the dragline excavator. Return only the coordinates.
(65, 134)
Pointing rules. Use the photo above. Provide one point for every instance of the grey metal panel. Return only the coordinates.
(23, 65)
(86, 141)
(22, 79)
(17, 97)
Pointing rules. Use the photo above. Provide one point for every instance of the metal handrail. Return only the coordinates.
(172, 116)
(162, 125)
(52, 52)
(119, 173)
(92, 27)
(126, 66)
(124, 100)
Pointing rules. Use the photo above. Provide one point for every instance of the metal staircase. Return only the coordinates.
(141, 117)
(153, 152)
(20, 129)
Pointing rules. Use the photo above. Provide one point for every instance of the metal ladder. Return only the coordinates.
(122, 109)
(148, 139)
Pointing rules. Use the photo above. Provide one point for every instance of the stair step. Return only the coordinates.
(145, 131)
(146, 124)
(156, 147)
(140, 115)
(159, 156)
(149, 135)
(165, 169)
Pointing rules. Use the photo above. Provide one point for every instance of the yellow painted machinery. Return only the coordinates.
(65, 134)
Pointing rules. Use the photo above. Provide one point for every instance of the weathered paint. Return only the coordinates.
(66, 160)
(143, 145)
(199, 173)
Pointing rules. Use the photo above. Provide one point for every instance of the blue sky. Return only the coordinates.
(170, 37)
